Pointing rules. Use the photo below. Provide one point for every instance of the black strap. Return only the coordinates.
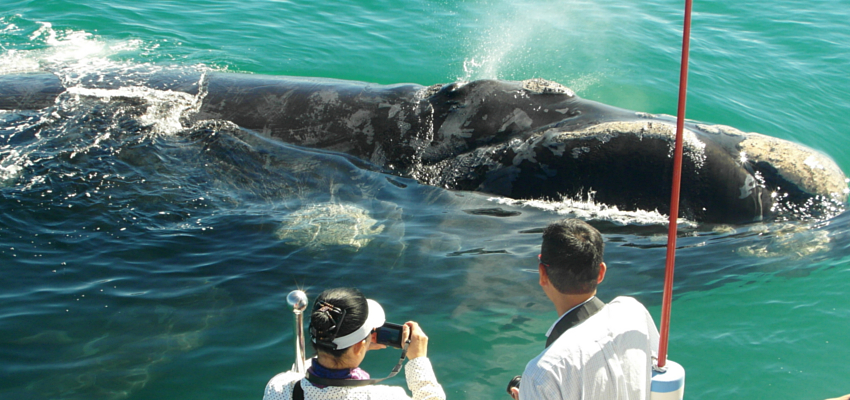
(297, 391)
(575, 317)
(317, 380)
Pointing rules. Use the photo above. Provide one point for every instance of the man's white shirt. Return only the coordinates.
(606, 357)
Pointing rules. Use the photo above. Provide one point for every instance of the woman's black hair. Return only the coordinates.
(336, 313)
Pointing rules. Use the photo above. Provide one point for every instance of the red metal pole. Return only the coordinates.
(674, 197)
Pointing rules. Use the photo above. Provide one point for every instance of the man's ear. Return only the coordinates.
(602, 269)
(544, 276)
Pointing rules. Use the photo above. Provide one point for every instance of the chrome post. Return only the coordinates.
(298, 300)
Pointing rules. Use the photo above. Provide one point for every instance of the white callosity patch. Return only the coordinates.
(693, 147)
(543, 86)
(810, 170)
(724, 130)
(806, 168)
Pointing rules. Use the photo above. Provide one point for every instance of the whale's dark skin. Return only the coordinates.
(525, 140)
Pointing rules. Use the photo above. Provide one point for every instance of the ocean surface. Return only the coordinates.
(144, 259)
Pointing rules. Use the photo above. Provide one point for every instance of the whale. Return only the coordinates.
(531, 139)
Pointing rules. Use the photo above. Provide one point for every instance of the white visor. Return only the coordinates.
(375, 318)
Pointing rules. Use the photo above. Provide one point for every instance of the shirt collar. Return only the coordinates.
(328, 373)
(551, 328)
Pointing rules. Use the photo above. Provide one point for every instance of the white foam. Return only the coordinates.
(70, 50)
(165, 108)
(11, 165)
(588, 209)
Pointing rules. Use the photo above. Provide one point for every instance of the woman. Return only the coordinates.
(342, 327)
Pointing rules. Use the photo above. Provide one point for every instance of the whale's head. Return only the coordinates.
(728, 176)
(802, 181)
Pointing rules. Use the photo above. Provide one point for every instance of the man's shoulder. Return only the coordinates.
(626, 301)
(620, 313)
(624, 313)
(626, 305)
(569, 350)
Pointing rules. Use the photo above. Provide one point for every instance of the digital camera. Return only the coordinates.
(389, 334)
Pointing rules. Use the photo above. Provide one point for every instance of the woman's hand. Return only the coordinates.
(418, 340)
(375, 346)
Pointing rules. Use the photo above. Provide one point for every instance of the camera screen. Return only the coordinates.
(390, 335)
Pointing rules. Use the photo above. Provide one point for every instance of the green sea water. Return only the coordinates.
(178, 292)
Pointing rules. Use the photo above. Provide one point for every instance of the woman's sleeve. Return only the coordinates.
(422, 381)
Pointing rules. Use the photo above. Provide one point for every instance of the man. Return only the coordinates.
(594, 350)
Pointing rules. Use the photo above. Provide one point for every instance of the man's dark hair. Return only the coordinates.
(572, 251)
(323, 320)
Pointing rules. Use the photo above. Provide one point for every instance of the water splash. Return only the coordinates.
(515, 37)
(48, 48)
(165, 110)
(11, 165)
(585, 207)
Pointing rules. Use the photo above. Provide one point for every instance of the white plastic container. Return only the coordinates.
(670, 384)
